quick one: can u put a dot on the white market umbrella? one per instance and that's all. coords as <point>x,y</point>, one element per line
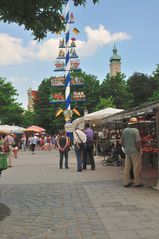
<point>7,129</point>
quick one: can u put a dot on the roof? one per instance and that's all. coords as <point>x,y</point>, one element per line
<point>115,56</point>
<point>97,116</point>
<point>34,94</point>
<point>146,108</point>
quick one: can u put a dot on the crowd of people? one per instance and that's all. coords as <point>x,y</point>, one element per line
<point>82,141</point>
<point>83,146</point>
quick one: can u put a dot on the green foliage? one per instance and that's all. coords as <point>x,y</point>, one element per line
<point>155,96</point>
<point>39,16</point>
<point>116,88</point>
<point>10,110</point>
<point>141,87</point>
<point>28,118</point>
<point>45,112</point>
<point>104,103</point>
<point>90,88</point>
<point>155,83</point>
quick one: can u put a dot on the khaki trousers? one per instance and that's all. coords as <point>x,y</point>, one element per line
<point>10,156</point>
<point>136,162</point>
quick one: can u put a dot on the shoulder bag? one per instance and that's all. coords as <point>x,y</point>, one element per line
<point>82,145</point>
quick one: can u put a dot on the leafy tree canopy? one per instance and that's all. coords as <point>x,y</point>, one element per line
<point>28,118</point>
<point>104,103</point>
<point>141,87</point>
<point>155,84</point>
<point>39,16</point>
<point>116,88</point>
<point>10,110</point>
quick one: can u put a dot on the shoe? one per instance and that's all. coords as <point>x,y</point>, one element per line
<point>79,170</point>
<point>128,185</point>
<point>67,167</point>
<point>93,168</point>
<point>138,186</point>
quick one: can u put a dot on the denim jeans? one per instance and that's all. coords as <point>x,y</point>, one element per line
<point>62,155</point>
<point>78,156</point>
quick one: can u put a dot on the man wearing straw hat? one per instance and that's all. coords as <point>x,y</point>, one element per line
<point>131,142</point>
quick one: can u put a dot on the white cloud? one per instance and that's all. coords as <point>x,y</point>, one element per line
<point>17,80</point>
<point>97,38</point>
<point>48,50</point>
<point>13,50</point>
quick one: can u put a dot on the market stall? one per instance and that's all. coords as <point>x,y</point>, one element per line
<point>148,118</point>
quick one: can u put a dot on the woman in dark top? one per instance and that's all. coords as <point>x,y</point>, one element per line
<point>63,146</point>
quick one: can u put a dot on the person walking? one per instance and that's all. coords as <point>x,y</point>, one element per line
<point>23,142</point>
<point>32,141</point>
<point>63,146</point>
<point>79,139</point>
<point>15,147</point>
<point>9,142</point>
<point>131,141</point>
<point>89,148</point>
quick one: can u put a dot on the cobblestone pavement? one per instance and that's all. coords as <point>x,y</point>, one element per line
<point>40,201</point>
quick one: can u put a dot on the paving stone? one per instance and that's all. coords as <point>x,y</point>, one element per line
<point>44,202</point>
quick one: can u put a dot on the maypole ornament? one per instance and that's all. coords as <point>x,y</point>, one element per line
<point>67,61</point>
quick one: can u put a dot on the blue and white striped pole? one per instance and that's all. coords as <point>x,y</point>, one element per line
<point>67,67</point>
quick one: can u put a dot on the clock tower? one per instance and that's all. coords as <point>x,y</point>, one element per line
<point>115,63</point>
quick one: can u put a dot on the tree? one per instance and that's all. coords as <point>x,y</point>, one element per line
<point>141,87</point>
<point>28,118</point>
<point>155,84</point>
<point>116,88</point>
<point>91,89</point>
<point>44,111</point>
<point>104,103</point>
<point>10,110</point>
<point>39,16</point>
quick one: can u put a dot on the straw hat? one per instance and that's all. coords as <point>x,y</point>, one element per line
<point>133,120</point>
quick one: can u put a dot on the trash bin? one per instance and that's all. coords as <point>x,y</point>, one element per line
<point>3,161</point>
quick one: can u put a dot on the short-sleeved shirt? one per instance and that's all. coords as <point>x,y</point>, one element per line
<point>89,134</point>
<point>130,137</point>
<point>79,136</point>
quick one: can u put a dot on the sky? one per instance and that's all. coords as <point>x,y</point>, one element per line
<point>131,25</point>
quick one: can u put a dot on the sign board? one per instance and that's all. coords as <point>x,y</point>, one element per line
<point>69,127</point>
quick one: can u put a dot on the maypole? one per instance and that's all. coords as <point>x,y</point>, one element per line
<point>67,67</point>
<point>67,61</point>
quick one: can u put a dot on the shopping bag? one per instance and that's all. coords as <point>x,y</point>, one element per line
<point>3,161</point>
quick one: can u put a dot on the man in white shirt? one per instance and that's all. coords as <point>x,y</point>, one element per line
<point>33,141</point>
<point>79,142</point>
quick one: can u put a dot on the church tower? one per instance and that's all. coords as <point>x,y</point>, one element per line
<point>115,63</point>
<point>31,99</point>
